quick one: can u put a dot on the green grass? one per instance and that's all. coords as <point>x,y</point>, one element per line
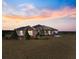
<point>52,48</point>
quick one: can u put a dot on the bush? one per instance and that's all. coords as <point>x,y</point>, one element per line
<point>27,36</point>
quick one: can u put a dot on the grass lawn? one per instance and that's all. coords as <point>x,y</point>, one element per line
<point>63,47</point>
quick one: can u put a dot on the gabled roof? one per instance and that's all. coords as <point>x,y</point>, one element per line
<point>24,28</point>
<point>43,27</point>
<point>36,27</point>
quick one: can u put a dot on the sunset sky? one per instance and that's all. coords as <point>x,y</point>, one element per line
<point>59,14</point>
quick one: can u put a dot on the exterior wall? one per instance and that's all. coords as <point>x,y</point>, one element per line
<point>56,32</point>
<point>49,32</point>
<point>30,32</point>
<point>45,33</point>
<point>20,32</point>
<point>34,33</point>
<point>52,32</point>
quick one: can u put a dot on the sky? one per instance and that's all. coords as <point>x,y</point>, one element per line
<point>59,14</point>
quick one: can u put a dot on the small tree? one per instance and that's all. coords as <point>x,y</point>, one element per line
<point>27,36</point>
<point>14,35</point>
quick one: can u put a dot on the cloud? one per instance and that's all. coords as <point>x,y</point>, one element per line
<point>28,6</point>
<point>63,24</point>
<point>27,10</point>
<point>44,14</point>
<point>25,14</point>
<point>20,10</point>
<point>8,9</point>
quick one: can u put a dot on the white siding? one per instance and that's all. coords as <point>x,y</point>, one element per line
<point>56,32</point>
<point>52,32</point>
<point>30,33</point>
<point>20,33</point>
<point>49,32</point>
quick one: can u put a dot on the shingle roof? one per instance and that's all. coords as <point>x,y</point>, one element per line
<point>36,27</point>
<point>43,27</point>
<point>24,28</point>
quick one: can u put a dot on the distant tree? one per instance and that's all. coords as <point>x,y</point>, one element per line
<point>3,34</point>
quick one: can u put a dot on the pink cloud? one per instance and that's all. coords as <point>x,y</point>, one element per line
<point>32,14</point>
<point>26,10</point>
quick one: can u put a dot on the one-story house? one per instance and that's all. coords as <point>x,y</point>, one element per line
<point>34,31</point>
